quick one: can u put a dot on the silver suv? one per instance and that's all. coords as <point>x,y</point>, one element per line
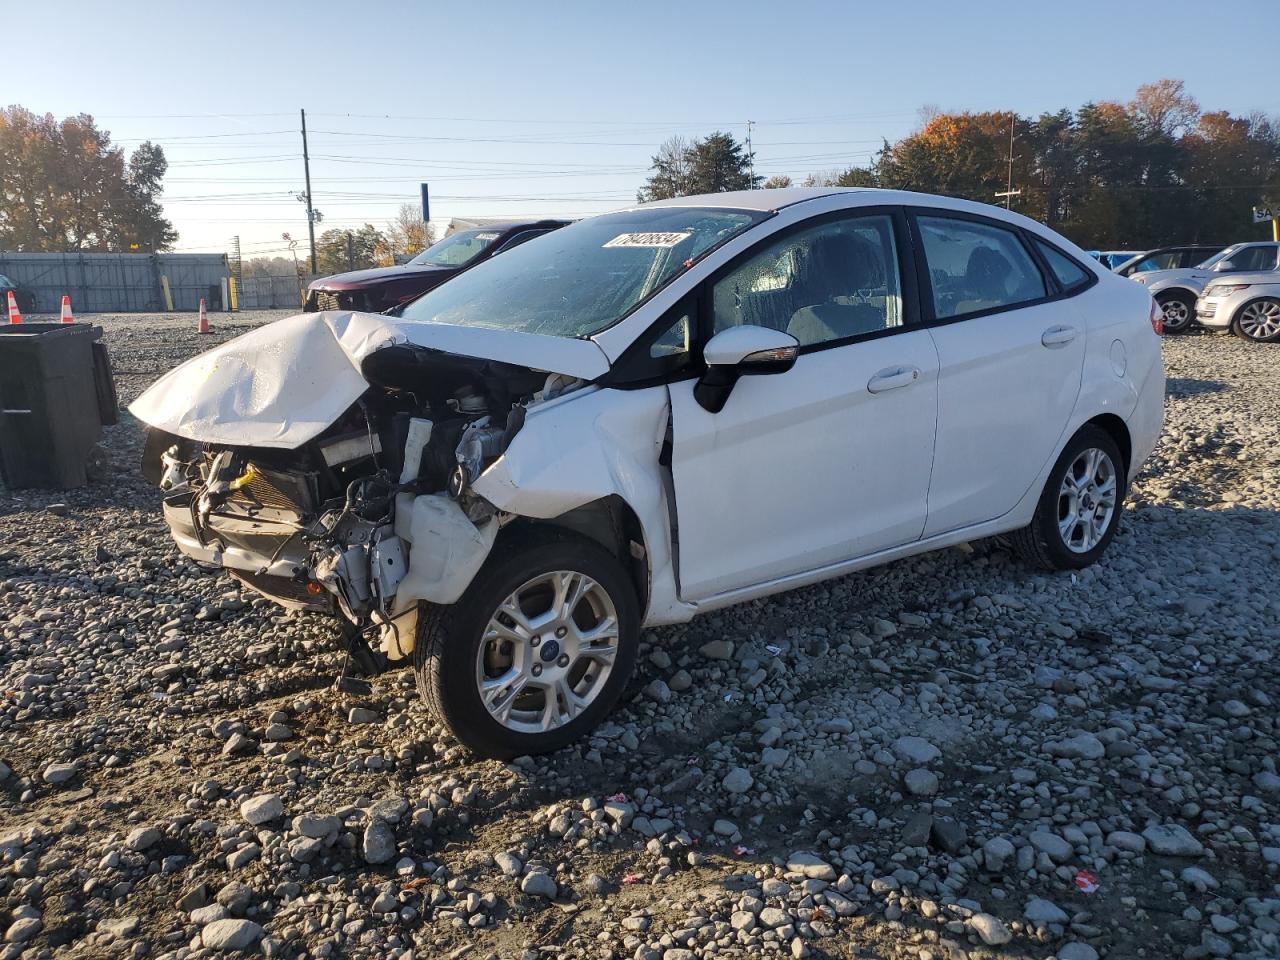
<point>1176,290</point>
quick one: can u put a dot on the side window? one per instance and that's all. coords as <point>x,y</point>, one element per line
<point>977,266</point>
<point>1158,261</point>
<point>826,282</point>
<point>1069,273</point>
<point>1254,258</point>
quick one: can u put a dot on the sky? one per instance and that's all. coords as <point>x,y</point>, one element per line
<point>556,108</point>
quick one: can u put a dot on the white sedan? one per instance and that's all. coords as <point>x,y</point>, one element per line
<point>651,414</point>
<point>1246,304</point>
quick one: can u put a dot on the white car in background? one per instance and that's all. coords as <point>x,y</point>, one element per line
<point>1246,304</point>
<point>1176,291</point>
<point>654,413</point>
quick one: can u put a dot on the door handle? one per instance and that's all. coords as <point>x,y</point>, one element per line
<point>893,378</point>
<point>1058,336</point>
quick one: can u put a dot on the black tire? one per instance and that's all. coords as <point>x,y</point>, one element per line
<point>448,641</point>
<point>1041,543</point>
<point>1179,309</point>
<point>1263,307</point>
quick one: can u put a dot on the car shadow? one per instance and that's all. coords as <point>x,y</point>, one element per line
<point>1191,386</point>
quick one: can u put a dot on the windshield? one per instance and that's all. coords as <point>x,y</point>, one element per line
<point>456,249</point>
<point>578,280</point>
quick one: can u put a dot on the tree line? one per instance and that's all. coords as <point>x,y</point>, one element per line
<point>1155,170</point>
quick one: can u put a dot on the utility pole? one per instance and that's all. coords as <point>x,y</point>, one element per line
<point>1009,193</point>
<point>751,160</point>
<point>311,215</point>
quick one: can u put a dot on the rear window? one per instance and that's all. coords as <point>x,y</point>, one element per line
<point>1069,273</point>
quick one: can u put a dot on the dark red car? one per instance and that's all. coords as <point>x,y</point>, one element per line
<point>385,287</point>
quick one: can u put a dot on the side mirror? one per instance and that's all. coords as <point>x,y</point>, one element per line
<point>1222,266</point>
<point>742,351</point>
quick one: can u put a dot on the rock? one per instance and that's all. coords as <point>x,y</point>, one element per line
<point>1172,840</point>
<point>262,809</point>
<point>836,725</point>
<point>916,749</point>
<point>1039,910</point>
<point>121,929</point>
<point>773,917</point>
<point>22,930</point>
<point>1076,951</point>
<point>379,844</point>
<point>658,690</point>
<point>737,780</point>
<point>57,773</point>
<point>680,681</point>
<point>358,716</point>
<point>202,916</point>
<point>724,828</point>
<point>539,885</point>
<point>315,826</point>
<point>1082,747</point>
<point>143,838</point>
<point>948,833</point>
<point>921,782</point>
<point>992,931</point>
<point>238,743</point>
<point>620,812</point>
<point>774,757</point>
<point>1124,840</point>
<point>997,854</point>
<point>598,885</point>
<point>811,865</point>
<point>1200,879</point>
<point>717,649</point>
<point>509,864</point>
<point>917,829</point>
<point>1059,850</point>
<point>235,896</point>
<point>230,934</point>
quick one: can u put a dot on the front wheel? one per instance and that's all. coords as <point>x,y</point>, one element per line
<point>536,651</point>
<point>1079,509</point>
<point>1179,310</point>
<point>1259,321</point>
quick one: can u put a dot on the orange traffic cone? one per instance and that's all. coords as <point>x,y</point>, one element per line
<point>204,318</point>
<point>66,310</point>
<point>14,315</point>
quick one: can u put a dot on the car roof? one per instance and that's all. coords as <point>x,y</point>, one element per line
<point>505,225</point>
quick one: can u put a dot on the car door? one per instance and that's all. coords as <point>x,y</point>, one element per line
<point>1010,351</point>
<point>830,460</point>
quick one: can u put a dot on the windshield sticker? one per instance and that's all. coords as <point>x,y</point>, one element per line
<point>486,236</point>
<point>648,239</point>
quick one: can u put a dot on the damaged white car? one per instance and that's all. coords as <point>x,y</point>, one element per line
<point>653,413</point>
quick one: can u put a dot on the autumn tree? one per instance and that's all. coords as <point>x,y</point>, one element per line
<point>64,187</point>
<point>777,182</point>
<point>366,245</point>
<point>407,234</point>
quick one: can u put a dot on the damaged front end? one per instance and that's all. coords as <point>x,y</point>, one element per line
<point>375,513</point>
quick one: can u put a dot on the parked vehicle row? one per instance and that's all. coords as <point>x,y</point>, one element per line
<point>654,413</point>
<point>1177,290</point>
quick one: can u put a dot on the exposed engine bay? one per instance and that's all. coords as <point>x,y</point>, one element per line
<point>330,526</point>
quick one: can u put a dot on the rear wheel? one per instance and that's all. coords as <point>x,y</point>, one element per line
<point>1080,507</point>
<point>1259,321</point>
<point>1179,310</point>
<point>536,651</point>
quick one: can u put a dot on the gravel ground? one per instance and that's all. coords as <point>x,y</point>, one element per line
<point>948,757</point>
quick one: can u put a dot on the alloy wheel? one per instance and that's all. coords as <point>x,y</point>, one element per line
<point>547,651</point>
<point>1260,320</point>
<point>1087,500</point>
<point>1176,313</point>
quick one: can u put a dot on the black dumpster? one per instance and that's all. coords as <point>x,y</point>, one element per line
<point>56,392</point>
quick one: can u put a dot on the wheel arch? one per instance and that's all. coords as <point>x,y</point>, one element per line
<point>609,521</point>
<point>1118,431</point>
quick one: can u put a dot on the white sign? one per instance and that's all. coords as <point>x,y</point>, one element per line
<point>647,239</point>
<point>1262,215</point>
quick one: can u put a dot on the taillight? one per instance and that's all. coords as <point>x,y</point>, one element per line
<point>1157,319</point>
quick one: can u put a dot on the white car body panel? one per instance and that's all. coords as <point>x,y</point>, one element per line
<point>978,426</point>
<point>804,468</point>
<point>284,383</point>
<point>802,476</point>
<point>1216,310</point>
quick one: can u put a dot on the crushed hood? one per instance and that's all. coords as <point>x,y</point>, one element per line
<point>284,383</point>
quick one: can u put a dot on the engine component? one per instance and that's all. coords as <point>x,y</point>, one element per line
<point>355,445</point>
<point>480,443</point>
<point>419,436</point>
<point>387,568</point>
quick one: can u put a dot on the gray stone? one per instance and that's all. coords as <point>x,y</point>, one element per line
<point>921,782</point>
<point>997,853</point>
<point>774,756</point>
<point>143,838</point>
<point>379,844</point>
<point>539,885</point>
<point>230,934</point>
<point>1059,850</point>
<point>1039,910</point>
<point>811,865</point>
<point>917,829</point>
<point>1076,951</point>
<point>315,826</point>
<point>509,864</point>
<point>992,931</point>
<point>1124,840</point>
<point>359,716</point>
<point>262,809</point>
<point>717,649</point>
<point>20,931</point>
<point>737,780</point>
<point>1172,840</point>
<point>774,917</point>
<point>57,773</point>
<point>1085,746</point>
<point>949,834</point>
<point>916,749</point>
